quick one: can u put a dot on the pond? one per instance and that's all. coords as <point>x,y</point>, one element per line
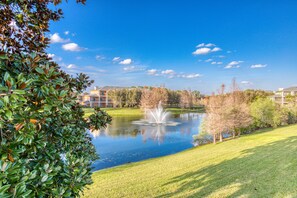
<point>123,142</point>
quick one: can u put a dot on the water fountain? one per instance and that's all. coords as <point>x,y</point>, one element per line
<point>157,116</point>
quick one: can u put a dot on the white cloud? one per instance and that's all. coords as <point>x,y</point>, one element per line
<point>152,72</point>
<point>216,49</point>
<point>55,38</point>
<point>127,61</point>
<point>116,59</point>
<point>202,51</point>
<point>66,32</point>
<point>73,47</point>
<point>168,72</point>
<point>200,45</point>
<point>246,82</point>
<point>210,45</point>
<point>133,68</point>
<point>258,66</point>
<point>205,45</point>
<point>216,63</point>
<point>221,56</point>
<point>55,57</point>
<point>99,57</point>
<point>71,66</point>
<point>189,76</point>
<point>208,60</point>
<point>233,64</point>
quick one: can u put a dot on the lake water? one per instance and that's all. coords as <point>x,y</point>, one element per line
<point>123,142</point>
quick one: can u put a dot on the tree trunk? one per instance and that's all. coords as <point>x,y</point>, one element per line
<point>214,139</point>
<point>221,137</point>
<point>233,134</point>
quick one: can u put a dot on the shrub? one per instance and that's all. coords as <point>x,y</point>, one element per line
<point>45,149</point>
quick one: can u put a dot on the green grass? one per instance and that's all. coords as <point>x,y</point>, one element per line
<point>117,111</point>
<point>263,164</point>
<point>137,111</point>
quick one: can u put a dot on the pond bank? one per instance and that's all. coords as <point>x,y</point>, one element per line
<point>262,164</point>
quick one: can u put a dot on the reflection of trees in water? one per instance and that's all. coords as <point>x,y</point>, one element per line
<point>190,116</point>
<point>155,133</point>
<point>121,126</point>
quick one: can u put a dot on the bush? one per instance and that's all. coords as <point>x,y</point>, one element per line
<point>263,111</point>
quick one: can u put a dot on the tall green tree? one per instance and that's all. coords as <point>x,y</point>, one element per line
<point>45,149</point>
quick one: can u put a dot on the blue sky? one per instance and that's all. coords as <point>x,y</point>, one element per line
<point>191,44</point>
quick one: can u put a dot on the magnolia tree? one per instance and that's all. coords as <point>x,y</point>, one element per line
<point>45,148</point>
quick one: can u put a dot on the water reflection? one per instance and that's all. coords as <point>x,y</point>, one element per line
<point>123,142</point>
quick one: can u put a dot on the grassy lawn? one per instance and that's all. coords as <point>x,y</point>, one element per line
<point>263,164</point>
<point>117,111</point>
<point>137,111</point>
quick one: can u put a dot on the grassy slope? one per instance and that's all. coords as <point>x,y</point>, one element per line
<point>258,165</point>
<point>117,111</point>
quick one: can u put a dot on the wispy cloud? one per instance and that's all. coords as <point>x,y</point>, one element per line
<point>54,57</point>
<point>216,49</point>
<point>71,66</point>
<point>73,47</point>
<point>216,63</point>
<point>233,64</point>
<point>152,72</point>
<point>116,59</point>
<point>205,45</point>
<point>189,76</point>
<point>127,61</point>
<point>256,66</point>
<point>208,60</point>
<point>133,68</point>
<point>66,32</point>
<point>99,57</point>
<point>245,82</point>
<point>55,38</point>
<point>169,73</point>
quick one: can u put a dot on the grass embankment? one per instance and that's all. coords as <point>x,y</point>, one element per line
<point>116,111</point>
<point>139,112</point>
<point>263,164</point>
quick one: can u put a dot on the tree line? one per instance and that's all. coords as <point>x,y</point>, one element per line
<point>236,112</point>
<point>149,97</point>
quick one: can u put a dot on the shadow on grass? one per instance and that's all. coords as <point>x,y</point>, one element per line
<point>264,171</point>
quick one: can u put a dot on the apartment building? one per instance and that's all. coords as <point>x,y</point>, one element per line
<point>281,94</point>
<point>98,97</point>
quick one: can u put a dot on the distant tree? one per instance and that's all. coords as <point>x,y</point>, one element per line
<point>45,149</point>
<point>263,111</point>
<point>173,98</point>
<point>118,97</point>
<point>133,97</point>
<point>186,99</point>
<point>215,115</point>
<point>252,95</point>
<point>152,96</point>
<point>237,112</point>
<point>227,112</point>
